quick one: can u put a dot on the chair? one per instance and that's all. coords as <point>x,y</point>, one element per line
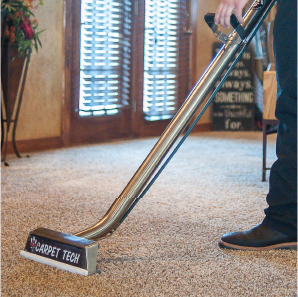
<point>269,119</point>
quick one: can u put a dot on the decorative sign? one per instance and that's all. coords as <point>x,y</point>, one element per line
<point>233,105</point>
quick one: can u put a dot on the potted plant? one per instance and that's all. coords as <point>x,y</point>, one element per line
<point>19,36</point>
<point>19,25</point>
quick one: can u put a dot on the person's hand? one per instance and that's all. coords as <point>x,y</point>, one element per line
<point>226,9</point>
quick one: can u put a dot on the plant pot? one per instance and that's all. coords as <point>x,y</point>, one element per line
<point>13,77</point>
<point>11,73</point>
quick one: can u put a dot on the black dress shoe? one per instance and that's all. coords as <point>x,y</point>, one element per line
<point>259,238</point>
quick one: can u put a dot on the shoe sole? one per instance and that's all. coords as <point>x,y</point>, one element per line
<point>288,245</point>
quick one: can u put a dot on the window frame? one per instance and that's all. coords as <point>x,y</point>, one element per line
<point>131,122</point>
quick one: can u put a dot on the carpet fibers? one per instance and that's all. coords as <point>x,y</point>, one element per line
<point>168,244</point>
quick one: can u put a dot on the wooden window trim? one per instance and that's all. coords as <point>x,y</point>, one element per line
<point>138,36</point>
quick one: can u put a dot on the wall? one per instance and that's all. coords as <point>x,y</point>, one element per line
<point>41,112</point>
<point>40,115</point>
<point>202,47</point>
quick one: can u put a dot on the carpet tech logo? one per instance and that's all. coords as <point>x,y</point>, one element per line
<point>33,244</point>
<point>54,250</point>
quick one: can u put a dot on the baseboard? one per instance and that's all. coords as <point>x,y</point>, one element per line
<point>57,142</point>
<point>202,127</point>
<point>34,145</point>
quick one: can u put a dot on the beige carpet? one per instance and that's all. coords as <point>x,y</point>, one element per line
<point>168,244</point>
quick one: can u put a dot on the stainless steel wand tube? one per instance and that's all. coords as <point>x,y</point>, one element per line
<point>193,102</point>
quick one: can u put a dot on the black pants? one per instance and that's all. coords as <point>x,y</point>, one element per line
<point>281,215</point>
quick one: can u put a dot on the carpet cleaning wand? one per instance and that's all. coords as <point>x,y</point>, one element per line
<point>77,253</point>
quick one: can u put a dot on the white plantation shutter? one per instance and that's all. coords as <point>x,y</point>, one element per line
<point>104,56</point>
<point>164,22</point>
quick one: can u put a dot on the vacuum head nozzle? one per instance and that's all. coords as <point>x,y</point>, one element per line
<point>64,251</point>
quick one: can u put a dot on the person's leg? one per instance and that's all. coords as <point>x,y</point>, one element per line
<point>279,228</point>
<point>281,215</point>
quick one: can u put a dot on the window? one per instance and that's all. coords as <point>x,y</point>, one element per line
<point>163,23</point>
<point>104,56</point>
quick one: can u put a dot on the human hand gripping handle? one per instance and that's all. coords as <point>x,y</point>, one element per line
<point>210,20</point>
<point>225,10</point>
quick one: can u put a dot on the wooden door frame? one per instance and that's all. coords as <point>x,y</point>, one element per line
<point>67,78</point>
<point>136,114</point>
<point>141,126</point>
<point>138,121</point>
<point>89,129</point>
